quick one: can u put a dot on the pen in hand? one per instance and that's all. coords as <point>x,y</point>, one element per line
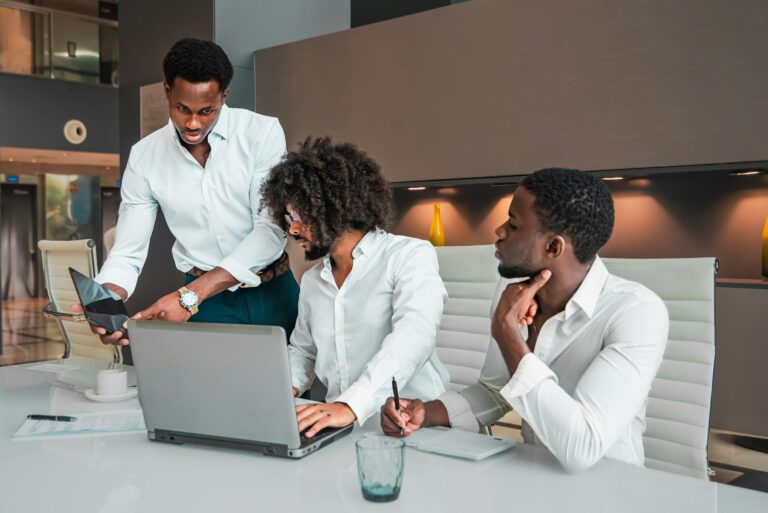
<point>397,401</point>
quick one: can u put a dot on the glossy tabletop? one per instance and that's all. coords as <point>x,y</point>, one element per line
<point>128,473</point>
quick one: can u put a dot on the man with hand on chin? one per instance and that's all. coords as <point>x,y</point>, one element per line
<point>204,170</point>
<point>574,348</point>
<point>370,309</point>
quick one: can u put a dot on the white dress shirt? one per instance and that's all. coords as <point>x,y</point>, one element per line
<point>212,211</point>
<point>582,392</point>
<point>380,324</point>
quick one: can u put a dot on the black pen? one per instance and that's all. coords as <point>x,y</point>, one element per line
<point>57,418</point>
<point>397,399</point>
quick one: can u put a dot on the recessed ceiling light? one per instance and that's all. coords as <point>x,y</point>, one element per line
<point>416,188</point>
<point>10,159</point>
<point>746,173</point>
<point>613,178</point>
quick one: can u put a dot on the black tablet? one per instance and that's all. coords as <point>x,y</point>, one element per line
<point>102,306</point>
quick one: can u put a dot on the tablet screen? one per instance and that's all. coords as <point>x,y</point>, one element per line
<point>102,306</point>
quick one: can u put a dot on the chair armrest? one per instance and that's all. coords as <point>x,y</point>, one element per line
<point>49,313</point>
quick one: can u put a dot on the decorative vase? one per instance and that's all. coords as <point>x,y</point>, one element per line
<point>436,231</point>
<point>765,248</point>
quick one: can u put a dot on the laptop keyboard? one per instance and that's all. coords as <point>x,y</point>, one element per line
<point>323,433</point>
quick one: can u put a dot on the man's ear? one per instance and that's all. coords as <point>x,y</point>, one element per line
<point>224,95</point>
<point>167,89</point>
<point>556,246</point>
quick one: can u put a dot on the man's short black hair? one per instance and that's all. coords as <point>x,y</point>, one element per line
<point>333,187</point>
<point>575,204</point>
<point>197,61</point>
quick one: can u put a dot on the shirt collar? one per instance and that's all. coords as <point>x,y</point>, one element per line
<point>368,243</point>
<point>221,128</point>
<point>366,247</point>
<point>587,294</point>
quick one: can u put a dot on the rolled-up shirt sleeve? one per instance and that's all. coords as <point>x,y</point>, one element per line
<point>417,307</point>
<point>135,222</point>
<point>579,428</point>
<point>266,241</point>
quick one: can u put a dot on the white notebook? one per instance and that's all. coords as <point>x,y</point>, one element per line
<point>457,443</point>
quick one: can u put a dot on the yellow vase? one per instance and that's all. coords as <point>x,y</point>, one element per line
<point>436,231</point>
<point>765,248</point>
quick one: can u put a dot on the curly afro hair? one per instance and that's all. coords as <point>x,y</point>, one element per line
<point>333,187</point>
<point>575,204</point>
<point>197,61</point>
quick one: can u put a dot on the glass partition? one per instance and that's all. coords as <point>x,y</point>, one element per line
<point>56,44</point>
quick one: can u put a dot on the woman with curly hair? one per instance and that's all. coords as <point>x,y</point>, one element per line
<point>370,309</point>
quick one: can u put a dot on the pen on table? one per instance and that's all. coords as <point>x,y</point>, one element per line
<point>58,418</point>
<point>397,400</point>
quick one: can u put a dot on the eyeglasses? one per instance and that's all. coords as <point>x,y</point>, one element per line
<point>291,218</point>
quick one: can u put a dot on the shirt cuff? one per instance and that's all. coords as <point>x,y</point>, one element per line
<point>530,372</point>
<point>459,411</point>
<point>240,272</point>
<point>359,401</point>
<point>122,277</point>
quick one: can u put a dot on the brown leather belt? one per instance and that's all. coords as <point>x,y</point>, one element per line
<point>277,268</point>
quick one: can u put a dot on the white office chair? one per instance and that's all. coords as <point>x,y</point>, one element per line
<point>57,258</point>
<point>470,277</point>
<point>677,415</point>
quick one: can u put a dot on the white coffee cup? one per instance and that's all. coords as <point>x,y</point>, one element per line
<point>111,382</point>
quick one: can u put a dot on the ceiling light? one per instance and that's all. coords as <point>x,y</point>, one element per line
<point>746,173</point>
<point>416,188</point>
<point>613,178</point>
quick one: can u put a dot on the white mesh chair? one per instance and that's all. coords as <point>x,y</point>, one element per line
<point>57,258</point>
<point>470,276</point>
<point>678,409</point>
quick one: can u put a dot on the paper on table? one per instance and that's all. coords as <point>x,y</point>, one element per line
<point>103,423</point>
<point>457,443</point>
<point>52,367</point>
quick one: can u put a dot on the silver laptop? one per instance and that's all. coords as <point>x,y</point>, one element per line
<point>227,385</point>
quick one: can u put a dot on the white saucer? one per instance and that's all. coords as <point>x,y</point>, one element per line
<point>128,394</point>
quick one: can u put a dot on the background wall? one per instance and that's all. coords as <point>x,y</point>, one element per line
<point>499,87</point>
<point>677,215</point>
<point>244,26</point>
<point>34,111</point>
<point>365,12</point>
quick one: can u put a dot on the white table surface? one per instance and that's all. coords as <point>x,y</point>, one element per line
<point>128,473</point>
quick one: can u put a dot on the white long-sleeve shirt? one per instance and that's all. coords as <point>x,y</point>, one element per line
<point>382,323</point>
<point>582,392</point>
<point>212,211</point>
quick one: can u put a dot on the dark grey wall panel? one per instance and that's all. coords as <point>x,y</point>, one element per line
<point>500,87</point>
<point>739,402</point>
<point>34,111</point>
<point>365,12</point>
<point>147,31</point>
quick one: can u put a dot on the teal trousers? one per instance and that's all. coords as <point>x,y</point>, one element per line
<point>274,303</point>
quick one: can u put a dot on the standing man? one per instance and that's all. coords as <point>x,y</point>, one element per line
<point>204,170</point>
<point>574,349</point>
<point>370,309</point>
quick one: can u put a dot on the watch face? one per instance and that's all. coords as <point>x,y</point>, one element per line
<point>189,298</point>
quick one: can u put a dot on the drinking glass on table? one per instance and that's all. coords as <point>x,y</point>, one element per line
<point>380,461</point>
